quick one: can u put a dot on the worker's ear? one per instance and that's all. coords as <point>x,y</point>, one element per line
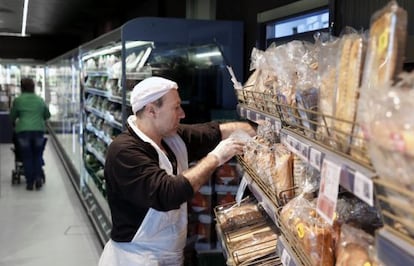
<point>150,109</point>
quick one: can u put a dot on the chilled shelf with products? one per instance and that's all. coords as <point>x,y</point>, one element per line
<point>63,98</point>
<point>11,72</point>
<point>353,176</point>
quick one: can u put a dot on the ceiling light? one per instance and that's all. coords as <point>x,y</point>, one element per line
<point>25,7</point>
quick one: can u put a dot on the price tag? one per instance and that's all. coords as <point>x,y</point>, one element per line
<point>299,148</point>
<point>248,114</point>
<point>278,125</point>
<point>290,142</point>
<point>364,188</point>
<point>269,121</point>
<point>241,189</point>
<point>315,159</point>
<point>328,190</point>
<point>285,258</point>
<point>258,117</point>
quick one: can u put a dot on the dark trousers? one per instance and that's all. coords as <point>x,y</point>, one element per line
<point>30,145</point>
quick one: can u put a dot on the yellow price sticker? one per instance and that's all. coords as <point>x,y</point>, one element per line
<point>301,230</point>
<point>383,42</point>
<point>367,263</point>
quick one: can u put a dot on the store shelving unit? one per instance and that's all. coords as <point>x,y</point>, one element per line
<point>357,177</point>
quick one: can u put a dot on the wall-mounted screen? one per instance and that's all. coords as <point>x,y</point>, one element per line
<point>311,21</point>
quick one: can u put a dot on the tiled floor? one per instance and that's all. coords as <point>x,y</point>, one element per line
<point>45,227</point>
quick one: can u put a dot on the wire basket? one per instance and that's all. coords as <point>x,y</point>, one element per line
<point>254,253</point>
<point>302,116</point>
<point>260,101</point>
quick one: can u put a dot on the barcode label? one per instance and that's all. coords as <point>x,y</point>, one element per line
<point>285,258</point>
<point>364,188</point>
<point>248,114</point>
<point>315,159</point>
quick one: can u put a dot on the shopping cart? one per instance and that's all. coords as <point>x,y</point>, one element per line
<point>18,170</point>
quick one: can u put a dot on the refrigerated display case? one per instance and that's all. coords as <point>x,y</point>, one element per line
<point>63,98</point>
<point>11,71</point>
<point>194,53</point>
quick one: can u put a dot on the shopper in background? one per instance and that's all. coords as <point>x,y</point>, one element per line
<point>147,176</point>
<point>29,113</point>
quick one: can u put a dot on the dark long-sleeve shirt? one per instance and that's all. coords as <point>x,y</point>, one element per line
<point>135,182</point>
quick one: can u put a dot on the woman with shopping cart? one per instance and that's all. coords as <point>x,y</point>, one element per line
<point>29,113</point>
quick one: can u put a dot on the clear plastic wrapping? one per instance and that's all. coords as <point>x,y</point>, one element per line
<point>355,247</point>
<point>346,93</point>
<point>316,237</point>
<point>238,215</point>
<point>384,61</point>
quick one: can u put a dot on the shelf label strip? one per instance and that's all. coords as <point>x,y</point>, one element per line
<point>297,147</point>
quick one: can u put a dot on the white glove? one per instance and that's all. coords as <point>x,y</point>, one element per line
<point>226,149</point>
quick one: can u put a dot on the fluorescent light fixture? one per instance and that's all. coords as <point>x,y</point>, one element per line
<point>25,7</point>
<point>208,54</point>
<point>12,34</point>
<point>116,48</point>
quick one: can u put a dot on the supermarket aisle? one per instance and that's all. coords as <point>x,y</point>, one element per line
<point>45,227</point>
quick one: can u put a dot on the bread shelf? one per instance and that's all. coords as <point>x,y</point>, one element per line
<point>254,253</point>
<point>353,173</point>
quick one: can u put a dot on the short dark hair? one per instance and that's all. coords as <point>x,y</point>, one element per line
<point>27,85</point>
<point>157,103</point>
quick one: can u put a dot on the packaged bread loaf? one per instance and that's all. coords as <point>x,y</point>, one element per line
<point>346,94</point>
<point>355,248</point>
<point>327,65</point>
<point>384,61</point>
<point>316,237</point>
<point>238,215</point>
<point>259,242</point>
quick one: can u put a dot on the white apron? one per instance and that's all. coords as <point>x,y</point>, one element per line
<point>161,238</point>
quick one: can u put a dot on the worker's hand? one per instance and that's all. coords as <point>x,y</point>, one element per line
<point>227,148</point>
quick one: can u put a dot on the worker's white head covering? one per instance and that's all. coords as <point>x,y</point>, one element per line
<point>150,90</point>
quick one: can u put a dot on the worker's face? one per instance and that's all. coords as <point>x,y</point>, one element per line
<point>169,114</point>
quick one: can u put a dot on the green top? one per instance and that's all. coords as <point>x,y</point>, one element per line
<point>30,111</point>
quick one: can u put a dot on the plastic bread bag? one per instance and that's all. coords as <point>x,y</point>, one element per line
<point>355,248</point>
<point>265,164</point>
<point>250,153</point>
<point>267,133</point>
<point>305,178</point>
<point>391,131</point>
<point>285,68</point>
<point>384,56</point>
<point>349,70</point>
<point>233,216</point>
<point>281,178</point>
<point>328,47</point>
<point>391,144</point>
<point>316,237</point>
<point>256,59</point>
<point>254,244</point>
